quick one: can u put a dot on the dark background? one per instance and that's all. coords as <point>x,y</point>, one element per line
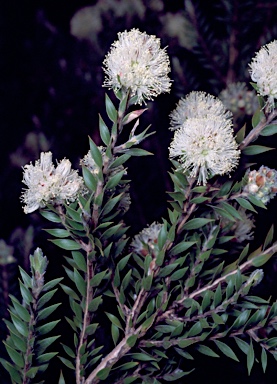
<point>51,94</point>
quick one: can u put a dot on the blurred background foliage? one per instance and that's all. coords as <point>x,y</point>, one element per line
<point>51,93</point>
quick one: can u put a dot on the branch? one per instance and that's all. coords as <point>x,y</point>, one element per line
<point>255,132</point>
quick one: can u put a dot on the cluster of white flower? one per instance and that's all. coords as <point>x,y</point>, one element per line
<point>138,64</point>
<point>198,105</point>
<point>263,72</point>
<point>47,184</point>
<point>203,142</point>
<point>146,241</point>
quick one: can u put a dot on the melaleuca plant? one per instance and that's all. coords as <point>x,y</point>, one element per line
<point>142,307</point>
<point>28,328</point>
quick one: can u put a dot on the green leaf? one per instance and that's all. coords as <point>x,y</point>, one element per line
<point>104,131</point>
<point>206,300</point>
<point>110,109</point>
<point>96,280</point>
<point>241,320</point>
<point>68,351</point>
<point>167,270</point>
<point>67,363</point>
<point>123,262</point>
<point>47,311</point>
<point>196,223</point>
<point>256,149</point>
<point>131,341</point>
<point>51,284</point>
<point>114,320</point>
<point>58,232</point>
<point>119,161</point>
<point>147,282</point>
<point>245,204</point>
<point>70,292</point>
<point>76,216</point>
<point>111,231</point>
<point>80,283</point>
<point>226,350</point>
<point>217,318</point>
<point>43,329</point>
<point>25,293</point>
<point>61,379</point>
<point>260,260</point>
<point>115,179</point>
<point>45,343</point>
<point>46,357</point>
<point>242,345</point>
<point>45,298</point>
<point>79,260</point>
<point>27,280</point>
<point>250,358</point>
<point>256,299</point>
<point>51,216</point>
<point>177,275</point>
<point>138,152</point>
<point>15,356</point>
<point>181,247</point>
<point>111,204</point>
<point>89,179</point>
<point>269,237</point>
<point>257,117</point>
<point>199,200</point>
<point>195,330</point>
<point>15,376</point>
<point>95,153</point>
<point>142,356</point>
<point>20,326</point>
<point>69,245</point>
<point>21,311</point>
<point>90,329</point>
<point>241,134</point>
<point>127,366</point>
<point>184,354</point>
<point>115,333</point>
<point>94,304</point>
<point>217,296</point>
<point>231,210</point>
<point>264,359</point>
<point>206,350</point>
<point>103,373</point>
<point>256,201</point>
<point>269,130</point>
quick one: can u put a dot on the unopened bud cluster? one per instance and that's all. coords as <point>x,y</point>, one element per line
<point>146,242</point>
<point>262,184</point>
<point>238,99</point>
<point>38,268</point>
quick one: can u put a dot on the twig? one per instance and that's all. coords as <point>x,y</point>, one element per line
<point>255,132</point>
<point>86,321</point>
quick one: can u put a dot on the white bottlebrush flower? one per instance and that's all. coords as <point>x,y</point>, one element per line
<point>146,241</point>
<point>138,64</point>
<point>198,105</point>
<point>47,184</point>
<point>263,71</point>
<point>206,147</point>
